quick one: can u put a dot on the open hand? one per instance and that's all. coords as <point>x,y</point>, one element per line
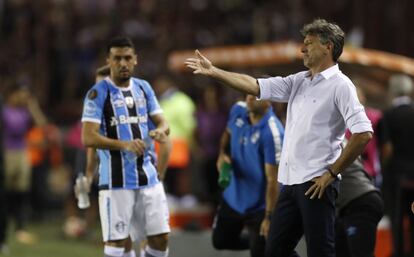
<point>200,64</point>
<point>319,186</point>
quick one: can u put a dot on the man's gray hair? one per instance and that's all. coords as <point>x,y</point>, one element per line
<point>400,85</point>
<point>326,32</point>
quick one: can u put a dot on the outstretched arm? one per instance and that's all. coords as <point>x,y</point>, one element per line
<point>244,83</point>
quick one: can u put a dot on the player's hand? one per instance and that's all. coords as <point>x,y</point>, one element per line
<point>319,186</point>
<point>264,227</point>
<point>158,135</point>
<point>200,64</point>
<point>85,183</point>
<point>137,146</point>
<point>412,207</point>
<point>222,158</point>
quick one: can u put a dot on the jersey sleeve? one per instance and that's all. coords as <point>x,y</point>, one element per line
<point>152,102</point>
<point>235,112</point>
<point>93,105</point>
<point>272,142</point>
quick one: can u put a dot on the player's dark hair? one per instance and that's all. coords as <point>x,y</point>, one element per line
<point>119,42</point>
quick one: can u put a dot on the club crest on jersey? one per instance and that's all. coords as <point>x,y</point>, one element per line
<point>129,101</point>
<point>255,137</point>
<point>118,103</point>
<point>239,122</point>
<point>120,226</point>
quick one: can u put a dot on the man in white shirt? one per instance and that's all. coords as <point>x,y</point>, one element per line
<point>322,103</point>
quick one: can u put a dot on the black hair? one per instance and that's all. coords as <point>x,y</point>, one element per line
<point>119,42</point>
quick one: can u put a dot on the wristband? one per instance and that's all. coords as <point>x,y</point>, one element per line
<point>333,175</point>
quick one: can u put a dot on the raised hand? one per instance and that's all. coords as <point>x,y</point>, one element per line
<point>200,64</point>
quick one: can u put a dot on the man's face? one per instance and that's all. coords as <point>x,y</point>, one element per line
<point>256,106</point>
<point>314,52</point>
<point>121,61</point>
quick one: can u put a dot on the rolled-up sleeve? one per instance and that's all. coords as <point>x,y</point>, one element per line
<point>352,110</point>
<point>275,88</point>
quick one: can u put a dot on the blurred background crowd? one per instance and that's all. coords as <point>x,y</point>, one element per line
<point>50,49</point>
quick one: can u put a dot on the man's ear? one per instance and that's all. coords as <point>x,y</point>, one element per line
<point>136,60</point>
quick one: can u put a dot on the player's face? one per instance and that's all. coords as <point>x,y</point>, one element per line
<point>121,61</point>
<point>255,106</point>
<point>314,52</point>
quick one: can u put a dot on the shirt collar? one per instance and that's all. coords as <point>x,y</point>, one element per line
<point>328,73</point>
<point>109,80</point>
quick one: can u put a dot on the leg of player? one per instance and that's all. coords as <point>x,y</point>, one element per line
<point>157,246</point>
<point>129,251</point>
<point>115,248</point>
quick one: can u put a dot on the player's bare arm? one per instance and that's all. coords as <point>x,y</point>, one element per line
<point>224,144</point>
<point>272,194</point>
<point>162,131</point>
<point>244,83</point>
<point>92,138</point>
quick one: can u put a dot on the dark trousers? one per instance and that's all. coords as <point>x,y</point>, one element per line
<point>297,214</point>
<point>228,227</point>
<point>356,226</point>
<point>402,208</point>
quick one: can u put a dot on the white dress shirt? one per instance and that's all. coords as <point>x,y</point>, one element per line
<point>318,112</point>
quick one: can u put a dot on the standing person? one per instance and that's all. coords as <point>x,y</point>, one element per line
<point>179,110</point>
<point>254,138</point>
<point>115,122</point>
<point>360,208</point>
<point>322,103</point>
<point>398,141</point>
<point>20,112</point>
<point>3,204</point>
<point>211,122</point>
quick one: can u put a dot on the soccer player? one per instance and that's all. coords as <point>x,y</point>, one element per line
<point>115,122</point>
<point>254,136</point>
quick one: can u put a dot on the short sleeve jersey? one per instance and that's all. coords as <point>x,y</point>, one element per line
<point>123,114</point>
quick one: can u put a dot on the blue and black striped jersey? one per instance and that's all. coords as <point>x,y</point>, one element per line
<point>123,114</point>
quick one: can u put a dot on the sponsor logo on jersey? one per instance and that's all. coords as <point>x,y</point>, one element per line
<point>118,103</point>
<point>255,137</point>
<point>90,108</point>
<point>123,119</point>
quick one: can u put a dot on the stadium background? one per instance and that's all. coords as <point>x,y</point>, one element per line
<point>53,47</point>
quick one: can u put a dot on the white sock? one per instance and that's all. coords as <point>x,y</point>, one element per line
<point>130,254</point>
<point>112,251</point>
<point>142,253</point>
<point>149,252</point>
